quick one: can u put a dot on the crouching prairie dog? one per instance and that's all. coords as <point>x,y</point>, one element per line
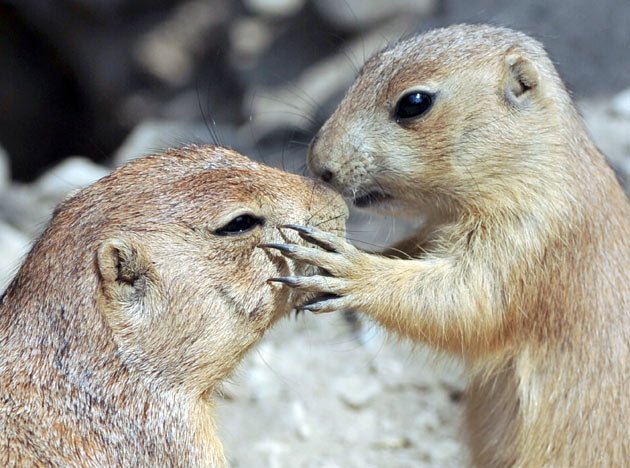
<point>143,293</point>
<point>524,267</point>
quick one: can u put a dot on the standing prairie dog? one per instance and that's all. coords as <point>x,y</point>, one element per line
<point>524,268</point>
<point>143,293</point>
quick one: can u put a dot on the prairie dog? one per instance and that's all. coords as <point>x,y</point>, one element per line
<point>524,268</point>
<point>143,293</point>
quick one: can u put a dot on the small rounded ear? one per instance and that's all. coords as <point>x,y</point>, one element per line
<point>125,269</point>
<point>522,76</point>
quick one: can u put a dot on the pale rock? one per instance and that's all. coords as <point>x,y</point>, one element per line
<point>168,51</point>
<point>23,208</point>
<point>262,384</point>
<point>611,134</point>
<point>300,418</point>
<point>357,392</point>
<point>620,104</point>
<point>249,38</point>
<point>154,136</point>
<point>275,8</point>
<point>262,379</point>
<point>29,207</point>
<point>273,450</point>
<point>14,246</point>
<point>72,174</point>
<point>428,420</point>
<point>445,450</point>
<point>359,14</point>
<point>149,137</point>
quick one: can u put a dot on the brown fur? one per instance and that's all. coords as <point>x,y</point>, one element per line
<point>524,269</point>
<point>129,310</point>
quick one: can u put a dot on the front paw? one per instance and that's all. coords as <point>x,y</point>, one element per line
<point>338,258</point>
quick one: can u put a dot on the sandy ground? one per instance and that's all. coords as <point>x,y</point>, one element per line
<point>318,394</point>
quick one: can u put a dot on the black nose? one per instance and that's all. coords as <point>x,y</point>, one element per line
<point>326,175</point>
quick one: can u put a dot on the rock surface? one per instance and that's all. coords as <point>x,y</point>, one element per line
<point>610,130</point>
<point>13,246</point>
<point>332,402</point>
<point>621,104</point>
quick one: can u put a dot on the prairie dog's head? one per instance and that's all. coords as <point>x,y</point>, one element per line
<point>444,120</point>
<point>166,250</point>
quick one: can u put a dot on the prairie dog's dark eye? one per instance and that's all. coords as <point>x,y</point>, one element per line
<point>240,225</point>
<point>413,104</point>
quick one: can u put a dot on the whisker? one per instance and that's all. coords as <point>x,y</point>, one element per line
<point>213,136</point>
<point>285,112</point>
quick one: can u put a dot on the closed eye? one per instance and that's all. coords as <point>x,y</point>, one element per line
<point>240,225</point>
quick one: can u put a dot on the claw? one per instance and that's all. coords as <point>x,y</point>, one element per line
<point>288,248</point>
<point>290,281</point>
<point>313,305</point>
<point>308,234</point>
<point>297,227</point>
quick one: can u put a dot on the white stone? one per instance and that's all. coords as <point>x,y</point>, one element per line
<point>13,247</point>
<point>301,420</point>
<point>428,420</point>
<point>276,8</point>
<point>444,451</point>
<point>611,134</point>
<point>620,104</point>
<point>70,175</point>
<point>273,451</point>
<point>169,49</point>
<point>155,135</point>
<point>29,206</point>
<point>249,37</point>
<point>357,392</point>
<point>149,137</point>
<point>359,14</point>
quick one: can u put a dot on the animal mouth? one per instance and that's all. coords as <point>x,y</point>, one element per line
<point>370,198</point>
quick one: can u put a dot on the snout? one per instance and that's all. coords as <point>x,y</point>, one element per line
<point>339,160</point>
<point>315,163</point>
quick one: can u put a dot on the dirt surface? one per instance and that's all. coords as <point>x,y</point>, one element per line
<point>316,393</point>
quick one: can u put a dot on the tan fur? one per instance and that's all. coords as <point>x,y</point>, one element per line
<point>129,310</point>
<point>525,267</point>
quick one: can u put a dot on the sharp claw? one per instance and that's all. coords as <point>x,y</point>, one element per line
<point>313,305</point>
<point>281,247</point>
<point>309,307</point>
<point>298,228</point>
<point>308,234</point>
<point>290,281</point>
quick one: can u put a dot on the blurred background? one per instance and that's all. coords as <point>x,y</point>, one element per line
<point>87,84</point>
